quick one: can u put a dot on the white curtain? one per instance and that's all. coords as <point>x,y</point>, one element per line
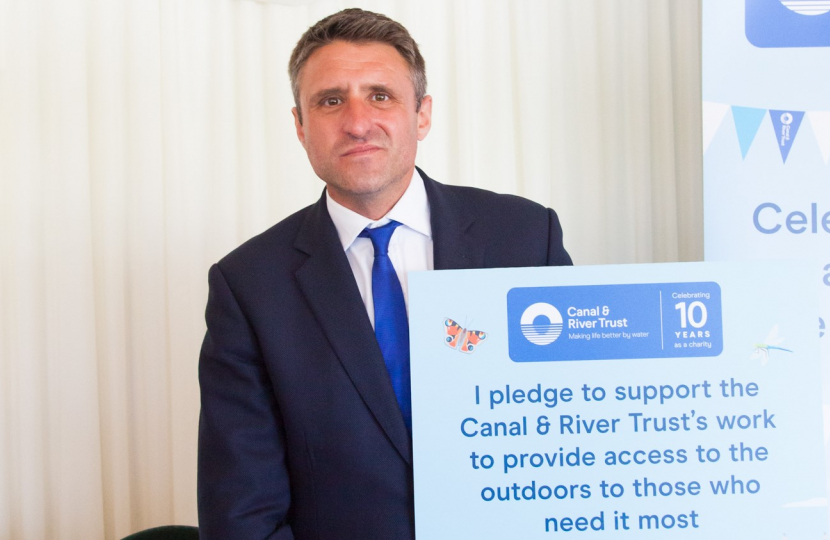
<point>140,141</point>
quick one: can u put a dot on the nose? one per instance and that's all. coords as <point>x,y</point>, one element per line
<point>357,118</point>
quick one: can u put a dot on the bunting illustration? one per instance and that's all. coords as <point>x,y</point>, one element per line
<point>785,126</point>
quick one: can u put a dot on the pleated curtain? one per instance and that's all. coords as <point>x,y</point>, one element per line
<point>140,141</point>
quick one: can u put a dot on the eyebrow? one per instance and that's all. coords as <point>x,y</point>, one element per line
<point>336,90</point>
<point>380,88</point>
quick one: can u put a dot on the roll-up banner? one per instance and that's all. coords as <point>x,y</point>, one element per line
<point>766,144</point>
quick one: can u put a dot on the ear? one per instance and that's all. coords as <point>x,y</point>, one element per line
<point>298,125</point>
<point>424,117</point>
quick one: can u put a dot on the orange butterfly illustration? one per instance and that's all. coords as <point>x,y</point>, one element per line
<point>460,338</point>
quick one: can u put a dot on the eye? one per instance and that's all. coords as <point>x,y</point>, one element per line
<point>332,101</point>
<point>380,97</point>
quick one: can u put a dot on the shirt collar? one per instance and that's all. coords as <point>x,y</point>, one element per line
<point>411,210</point>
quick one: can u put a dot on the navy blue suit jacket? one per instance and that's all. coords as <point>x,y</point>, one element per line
<point>300,434</point>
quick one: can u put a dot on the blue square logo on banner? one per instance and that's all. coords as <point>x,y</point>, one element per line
<point>788,23</point>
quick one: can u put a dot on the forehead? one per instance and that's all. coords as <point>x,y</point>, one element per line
<point>343,64</point>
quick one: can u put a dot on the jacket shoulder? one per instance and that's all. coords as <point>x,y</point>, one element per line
<point>497,207</point>
<point>515,231</point>
<point>274,244</point>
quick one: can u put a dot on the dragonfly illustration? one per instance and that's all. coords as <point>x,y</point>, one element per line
<point>762,350</point>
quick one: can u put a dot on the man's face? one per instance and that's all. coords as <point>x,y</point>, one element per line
<point>360,126</point>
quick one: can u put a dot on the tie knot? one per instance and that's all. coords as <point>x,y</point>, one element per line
<point>380,236</point>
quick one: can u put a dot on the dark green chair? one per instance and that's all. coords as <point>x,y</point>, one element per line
<point>168,532</point>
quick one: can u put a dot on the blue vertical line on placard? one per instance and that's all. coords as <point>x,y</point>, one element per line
<point>662,333</point>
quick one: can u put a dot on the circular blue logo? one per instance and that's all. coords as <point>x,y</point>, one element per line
<point>541,323</point>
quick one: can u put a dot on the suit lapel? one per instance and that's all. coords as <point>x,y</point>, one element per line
<point>328,284</point>
<point>454,245</point>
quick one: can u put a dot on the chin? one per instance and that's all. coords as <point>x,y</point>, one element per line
<point>364,181</point>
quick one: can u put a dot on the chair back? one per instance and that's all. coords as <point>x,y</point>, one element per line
<point>168,532</point>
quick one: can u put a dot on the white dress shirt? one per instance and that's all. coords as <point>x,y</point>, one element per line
<point>410,248</point>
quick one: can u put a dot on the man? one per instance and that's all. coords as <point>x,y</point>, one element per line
<point>304,430</point>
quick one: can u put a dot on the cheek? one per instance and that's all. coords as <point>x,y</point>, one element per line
<point>405,129</point>
<point>317,139</point>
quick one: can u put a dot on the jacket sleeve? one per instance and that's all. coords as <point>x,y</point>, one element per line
<point>243,486</point>
<point>557,256</point>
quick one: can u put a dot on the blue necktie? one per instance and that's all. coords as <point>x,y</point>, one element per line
<point>391,324</point>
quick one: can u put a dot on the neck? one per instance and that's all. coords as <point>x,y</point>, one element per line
<point>372,205</point>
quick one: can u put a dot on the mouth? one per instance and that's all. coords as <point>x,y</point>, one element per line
<point>362,150</point>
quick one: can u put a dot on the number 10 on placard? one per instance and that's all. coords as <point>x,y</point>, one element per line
<point>694,314</point>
